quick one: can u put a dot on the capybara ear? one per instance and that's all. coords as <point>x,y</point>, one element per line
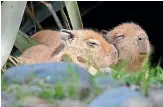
<point>112,36</point>
<point>104,33</point>
<point>66,34</point>
<point>108,36</point>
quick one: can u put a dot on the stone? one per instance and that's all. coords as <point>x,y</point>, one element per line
<point>49,72</point>
<point>49,75</point>
<point>115,97</point>
<point>32,101</point>
<point>7,100</point>
<point>16,88</point>
<point>138,102</point>
<point>107,82</point>
<point>156,95</point>
<point>71,103</point>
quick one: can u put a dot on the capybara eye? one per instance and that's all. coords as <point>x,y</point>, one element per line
<point>139,38</point>
<point>91,44</point>
<point>104,32</point>
<point>118,38</point>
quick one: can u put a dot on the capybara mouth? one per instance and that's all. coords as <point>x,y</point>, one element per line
<point>142,53</point>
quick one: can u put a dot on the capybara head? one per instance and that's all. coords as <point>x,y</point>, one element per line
<point>132,43</point>
<point>82,46</point>
<point>88,46</point>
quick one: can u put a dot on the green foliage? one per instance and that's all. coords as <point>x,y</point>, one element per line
<point>144,78</point>
<point>23,41</point>
<point>147,77</point>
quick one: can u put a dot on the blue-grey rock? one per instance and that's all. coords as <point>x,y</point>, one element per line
<point>71,103</point>
<point>32,101</point>
<point>49,72</point>
<point>38,102</point>
<point>26,89</point>
<point>115,97</point>
<point>48,75</point>
<point>107,82</point>
<point>138,102</point>
<point>156,95</point>
<point>7,100</point>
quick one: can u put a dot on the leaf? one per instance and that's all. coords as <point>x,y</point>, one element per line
<point>74,14</point>
<point>23,41</point>
<point>50,7</point>
<point>12,13</point>
<point>65,20</point>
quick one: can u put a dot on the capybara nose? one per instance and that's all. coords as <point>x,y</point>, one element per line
<point>142,43</point>
<point>142,37</point>
<point>143,47</point>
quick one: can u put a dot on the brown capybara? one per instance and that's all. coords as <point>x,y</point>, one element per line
<point>132,44</point>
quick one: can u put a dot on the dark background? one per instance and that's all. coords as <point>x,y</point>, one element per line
<point>147,14</point>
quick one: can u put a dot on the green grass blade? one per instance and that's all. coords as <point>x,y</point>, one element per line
<point>74,14</point>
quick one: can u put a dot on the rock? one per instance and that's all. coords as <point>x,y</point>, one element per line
<point>71,103</point>
<point>16,89</point>
<point>138,102</point>
<point>49,74</point>
<point>32,101</point>
<point>7,100</point>
<point>42,105</point>
<point>115,97</point>
<point>107,82</point>
<point>135,87</point>
<point>156,95</point>
<point>37,102</point>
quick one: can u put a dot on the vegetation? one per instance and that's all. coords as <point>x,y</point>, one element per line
<point>145,79</point>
